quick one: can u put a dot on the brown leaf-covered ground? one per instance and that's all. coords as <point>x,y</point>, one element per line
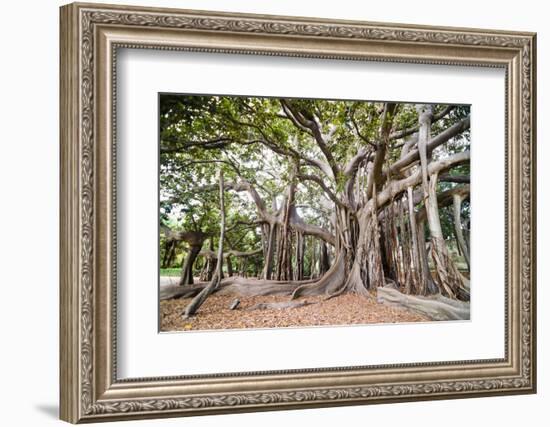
<point>346,309</point>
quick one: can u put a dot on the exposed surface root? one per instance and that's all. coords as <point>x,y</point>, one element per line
<point>180,291</point>
<point>330,283</point>
<point>355,283</point>
<point>436,307</point>
<point>240,286</point>
<point>279,305</point>
<point>236,285</point>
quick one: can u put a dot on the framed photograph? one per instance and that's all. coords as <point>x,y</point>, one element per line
<point>266,212</point>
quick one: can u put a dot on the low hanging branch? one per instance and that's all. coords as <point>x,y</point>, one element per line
<point>237,254</point>
<point>218,275</point>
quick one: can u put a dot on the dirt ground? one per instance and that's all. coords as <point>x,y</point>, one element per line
<point>346,309</point>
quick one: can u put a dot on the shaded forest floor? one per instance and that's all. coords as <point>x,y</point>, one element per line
<point>347,309</point>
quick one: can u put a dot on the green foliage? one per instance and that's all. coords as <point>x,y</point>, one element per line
<point>254,139</point>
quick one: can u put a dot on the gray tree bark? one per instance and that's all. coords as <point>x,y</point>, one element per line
<point>218,275</point>
<point>457,207</point>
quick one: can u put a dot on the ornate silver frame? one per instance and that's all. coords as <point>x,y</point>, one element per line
<point>90,36</point>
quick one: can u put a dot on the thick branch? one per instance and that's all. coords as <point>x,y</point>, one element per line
<point>244,185</point>
<point>299,120</point>
<point>459,179</point>
<point>409,131</point>
<point>446,199</point>
<point>352,166</point>
<point>435,142</point>
<point>290,116</point>
<point>238,254</point>
<point>193,238</point>
<point>394,188</point>
<point>311,230</point>
<point>425,123</point>
<point>296,221</point>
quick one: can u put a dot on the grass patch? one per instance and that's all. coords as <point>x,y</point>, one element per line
<point>172,272</point>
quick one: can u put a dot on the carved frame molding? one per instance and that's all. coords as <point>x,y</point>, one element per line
<point>90,37</point>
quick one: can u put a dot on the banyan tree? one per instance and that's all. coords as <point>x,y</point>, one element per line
<point>315,197</point>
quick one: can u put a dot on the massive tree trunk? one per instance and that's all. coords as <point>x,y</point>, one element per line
<point>328,284</point>
<point>195,240</point>
<point>358,262</point>
<point>186,277</point>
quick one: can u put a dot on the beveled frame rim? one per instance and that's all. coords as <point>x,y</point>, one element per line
<point>90,36</point>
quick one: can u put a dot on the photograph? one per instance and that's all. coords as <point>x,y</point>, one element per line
<point>290,212</point>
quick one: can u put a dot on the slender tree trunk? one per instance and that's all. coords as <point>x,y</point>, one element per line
<point>244,267</point>
<point>265,236</point>
<point>427,284</point>
<point>406,246</point>
<point>467,236</point>
<point>457,206</point>
<point>214,283</point>
<point>168,248</point>
<point>324,262</point>
<point>374,258</point>
<point>256,269</point>
<point>267,271</point>
<point>284,264</point>
<point>387,243</point>
<point>415,264</point>
<point>204,268</point>
<point>172,254</point>
<point>401,243</point>
<point>448,276</point>
<point>229,266</point>
<point>315,256</point>
<point>210,266</point>
<point>299,272</point>
<point>425,122</point>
